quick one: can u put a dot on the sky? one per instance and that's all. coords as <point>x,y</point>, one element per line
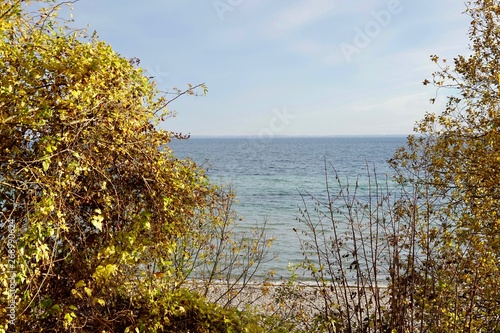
<point>287,68</point>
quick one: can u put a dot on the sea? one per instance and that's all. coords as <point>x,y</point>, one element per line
<point>275,177</point>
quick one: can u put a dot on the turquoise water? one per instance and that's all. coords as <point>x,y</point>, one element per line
<point>270,175</point>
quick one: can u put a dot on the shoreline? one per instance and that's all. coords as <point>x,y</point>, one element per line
<point>271,297</point>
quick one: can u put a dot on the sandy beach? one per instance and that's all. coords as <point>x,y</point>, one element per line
<point>298,298</point>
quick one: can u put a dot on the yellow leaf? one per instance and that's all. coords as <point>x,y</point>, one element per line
<point>88,291</point>
<point>80,284</point>
<point>99,300</point>
<point>97,219</point>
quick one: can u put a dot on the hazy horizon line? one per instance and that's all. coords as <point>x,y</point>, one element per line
<point>237,136</point>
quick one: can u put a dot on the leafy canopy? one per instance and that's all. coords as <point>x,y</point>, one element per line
<point>89,187</point>
<point>455,162</point>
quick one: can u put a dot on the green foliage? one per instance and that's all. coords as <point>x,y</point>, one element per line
<point>183,311</point>
<point>89,190</point>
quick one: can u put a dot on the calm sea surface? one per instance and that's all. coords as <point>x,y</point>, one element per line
<point>269,176</point>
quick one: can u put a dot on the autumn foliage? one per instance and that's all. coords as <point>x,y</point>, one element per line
<point>101,226</point>
<point>455,163</point>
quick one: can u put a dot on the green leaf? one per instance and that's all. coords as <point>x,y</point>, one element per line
<point>46,164</point>
<point>68,317</point>
<point>46,303</point>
